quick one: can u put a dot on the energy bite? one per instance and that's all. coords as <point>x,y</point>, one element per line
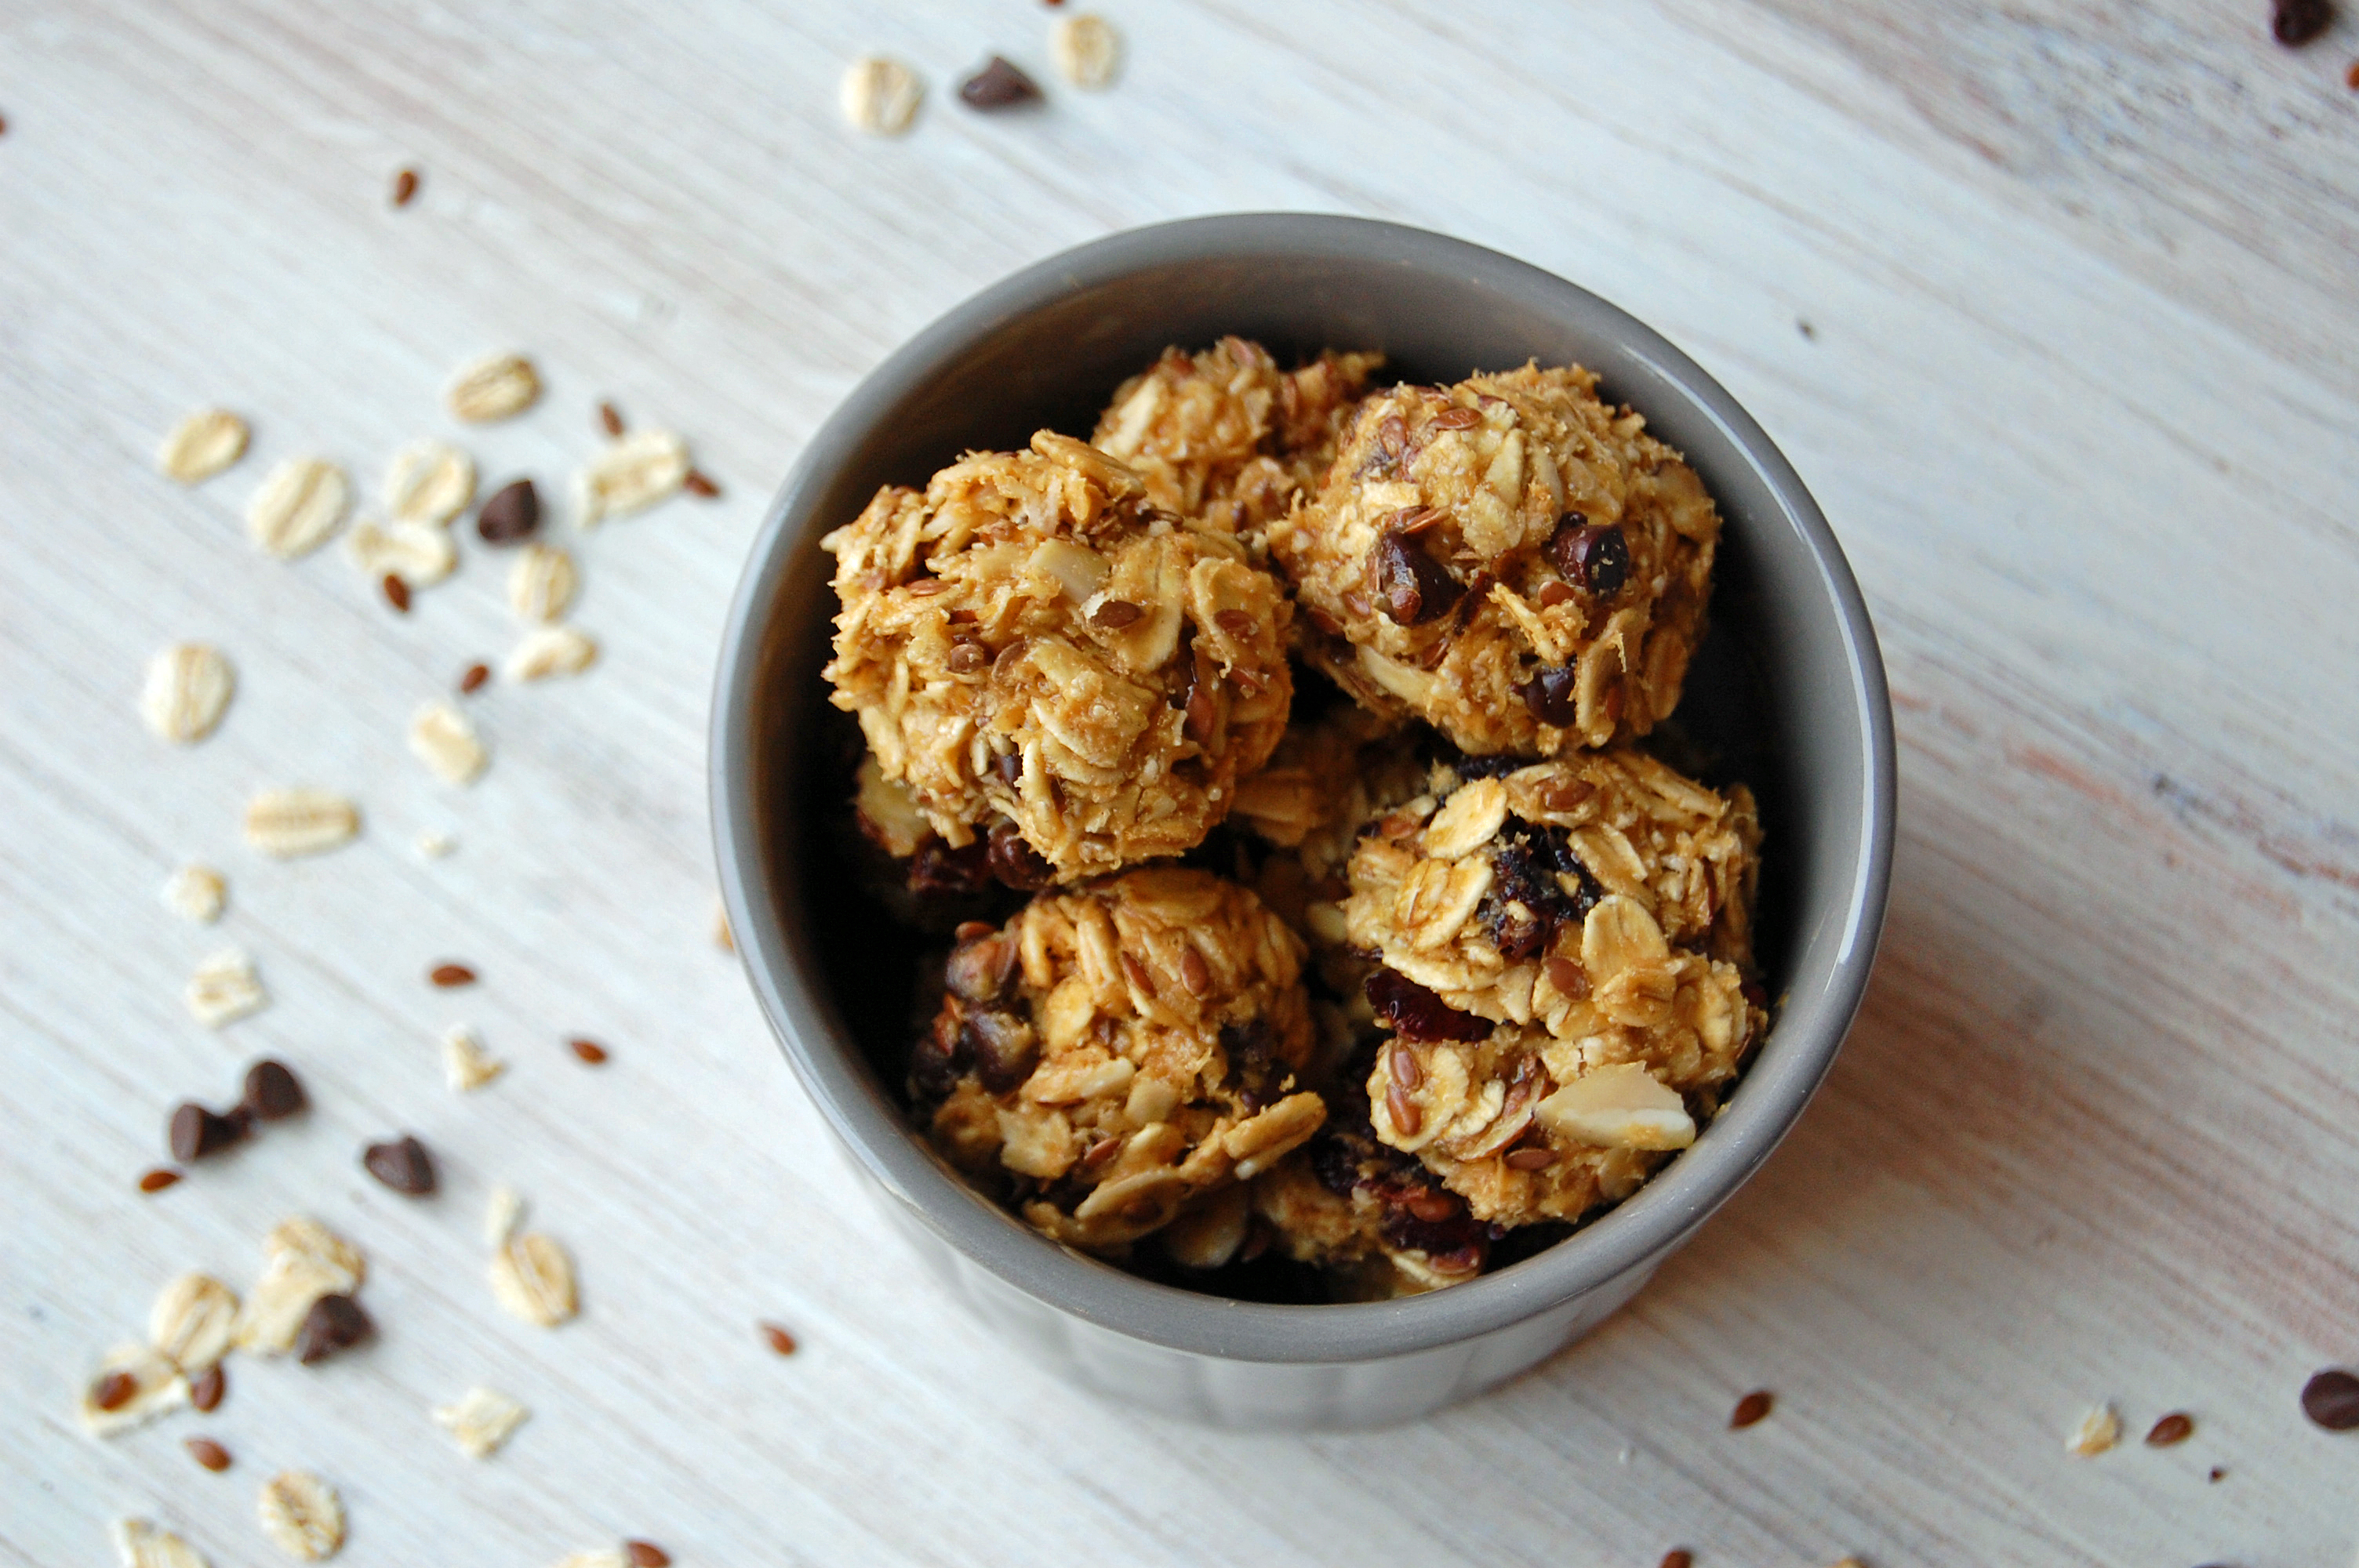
<point>1227,437</point>
<point>1507,558</point>
<point>1120,1050</point>
<point>1047,663</point>
<point>1564,952</point>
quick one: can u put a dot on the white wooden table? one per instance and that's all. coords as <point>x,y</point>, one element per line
<point>2056,306</point>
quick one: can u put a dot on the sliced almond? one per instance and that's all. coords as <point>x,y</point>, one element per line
<point>1618,1107</point>
<point>420,554</point>
<point>299,506</point>
<point>301,1515</point>
<point>479,1421</point>
<point>428,482</point>
<point>193,1322</point>
<point>155,1386</point>
<point>466,1065</point>
<point>188,689</point>
<point>633,474</point>
<point>494,387</point>
<point>139,1544</point>
<point>196,892</point>
<point>542,584</point>
<point>532,1277</point>
<point>223,989</point>
<point>202,445</point>
<point>444,738</point>
<point>285,823</point>
<point>552,651</point>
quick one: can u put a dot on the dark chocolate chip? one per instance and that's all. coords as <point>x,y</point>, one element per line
<point>1015,862</point>
<point>999,85</point>
<point>2294,23</point>
<point>404,1165</point>
<point>197,1132</point>
<point>1549,695</point>
<point>333,1324</point>
<point>2332,1399</point>
<point>1413,586</point>
<point>510,515</point>
<point>272,1093</point>
<point>1591,554</point>
<point>1754,1407</point>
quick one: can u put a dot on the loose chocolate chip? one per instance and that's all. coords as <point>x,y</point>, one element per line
<point>779,1339</point>
<point>1236,622</point>
<point>1457,419</point>
<point>1417,1014</point>
<point>208,1453</point>
<point>474,677</point>
<point>404,1165</point>
<point>510,515</point>
<point>114,1391</point>
<point>1549,695</point>
<point>968,657</point>
<point>272,1093</point>
<point>589,1051</point>
<point>2175,1428</point>
<point>1754,1407</point>
<point>157,1179</point>
<point>396,593</point>
<point>1414,587</point>
<point>997,85</point>
<point>610,419</point>
<point>1015,862</point>
<point>2295,22</point>
<point>206,1388</point>
<point>449,975</point>
<point>2332,1399</point>
<point>197,1132</point>
<point>404,186</point>
<point>646,1554</point>
<point>699,484</point>
<point>1115,614</point>
<point>333,1324</point>
<point>1594,555</point>
<point>1678,1557</point>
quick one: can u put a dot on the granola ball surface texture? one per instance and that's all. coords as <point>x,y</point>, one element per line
<point>1564,951</point>
<point>1227,437</point>
<point>1035,651</point>
<point>1119,1050</point>
<point>1507,558</point>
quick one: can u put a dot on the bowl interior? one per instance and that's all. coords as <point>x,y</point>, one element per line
<point>1786,695</point>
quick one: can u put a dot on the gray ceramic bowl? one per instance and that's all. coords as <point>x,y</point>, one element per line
<point>1789,694</point>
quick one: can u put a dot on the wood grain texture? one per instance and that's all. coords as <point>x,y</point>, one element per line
<point>2051,305</point>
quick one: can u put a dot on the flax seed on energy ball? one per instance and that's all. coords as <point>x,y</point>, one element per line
<point>1507,558</point>
<point>1033,648</point>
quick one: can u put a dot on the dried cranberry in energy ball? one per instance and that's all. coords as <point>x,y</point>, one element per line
<point>1028,641</point>
<point>1507,558</point>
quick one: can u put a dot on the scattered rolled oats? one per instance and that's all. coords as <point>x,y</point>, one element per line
<point>433,843</point>
<point>283,823</point>
<point>502,1216</point>
<point>139,1544</point>
<point>465,1064</point>
<point>196,892</point>
<point>1087,49</point>
<point>202,445</point>
<point>532,1277</point>
<point>428,482</point>
<point>299,506</point>
<point>880,95</point>
<point>633,474</point>
<point>444,740</point>
<point>193,1322</point>
<point>494,387</point>
<point>2099,1429</point>
<point>304,1260</point>
<point>420,554</point>
<point>604,1557</point>
<point>133,1386</point>
<point>542,583</point>
<point>188,690</point>
<point>301,1515</point>
<point>552,651</point>
<point>481,1421</point>
<point>224,989</point>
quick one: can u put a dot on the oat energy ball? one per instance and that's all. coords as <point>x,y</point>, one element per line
<point>1507,558</point>
<point>1042,658</point>
<point>1564,952</point>
<point>1225,435</point>
<point>1119,1051</point>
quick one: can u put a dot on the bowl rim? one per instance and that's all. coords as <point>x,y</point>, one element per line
<point>1636,1233</point>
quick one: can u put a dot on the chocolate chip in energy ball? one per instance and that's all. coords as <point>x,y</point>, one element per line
<point>197,1132</point>
<point>1596,557</point>
<point>1414,587</point>
<point>403,1164</point>
<point>272,1092</point>
<point>510,515</point>
<point>333,1324</point>
<point>1015,862</point>
<point>2332,1399</point>
<point>999,85</point>
<point>1549,695</point>
<point>2294,23</point>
